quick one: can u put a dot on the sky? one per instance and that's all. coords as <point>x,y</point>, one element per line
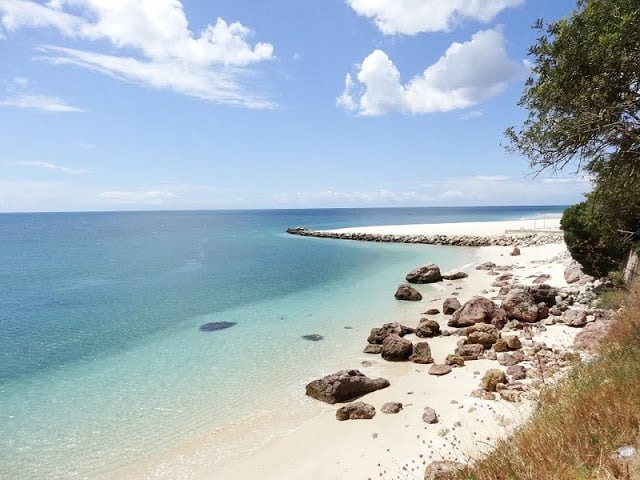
<point>194,104</point>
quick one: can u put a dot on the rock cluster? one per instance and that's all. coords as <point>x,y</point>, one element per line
<point>524,239</point>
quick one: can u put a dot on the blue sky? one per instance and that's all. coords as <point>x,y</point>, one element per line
<point>168,104</point>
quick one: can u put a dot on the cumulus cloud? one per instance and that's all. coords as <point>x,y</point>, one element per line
<point>54,167</point>
<point>410,17</point>
<point>467,74</point>
<point>152,45</point>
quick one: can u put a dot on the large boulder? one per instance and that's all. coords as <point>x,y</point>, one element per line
<point>343,386</point>
<point>520,305</point>
<point>476,310</point>
<point>421,353</point>
<point>378,335</point>
<point>543,293</point>
<point>483,334</point>
<point>492,378</point>
<point>427,328</point>
<point>396,349</point>
<point>426,274</point>
<point>356,411</point>
<point>408,293</point>
<point>573,273</point>
<point>470,352</point>
<point>575,318</point>
<point>450,305</point>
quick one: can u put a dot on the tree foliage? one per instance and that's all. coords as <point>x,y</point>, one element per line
<point>583,103</point>
<point>583,95</point>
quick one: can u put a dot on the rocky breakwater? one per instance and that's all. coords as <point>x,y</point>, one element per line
<point>522,239</point>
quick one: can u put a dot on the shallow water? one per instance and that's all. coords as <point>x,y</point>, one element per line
<point>103,359</point>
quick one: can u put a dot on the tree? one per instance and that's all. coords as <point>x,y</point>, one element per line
<point>583,95</point>
<point>583,102</point>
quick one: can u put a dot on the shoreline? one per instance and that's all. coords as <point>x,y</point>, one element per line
<point>386,446</point>
<point>466,234</point>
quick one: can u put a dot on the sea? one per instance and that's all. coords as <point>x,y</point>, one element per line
<point>103,362</point>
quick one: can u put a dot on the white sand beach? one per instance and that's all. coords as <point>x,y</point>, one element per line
<point>400,445</point>
<point>468,228</point>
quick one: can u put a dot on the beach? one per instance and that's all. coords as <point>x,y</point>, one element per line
<point>400,445</point>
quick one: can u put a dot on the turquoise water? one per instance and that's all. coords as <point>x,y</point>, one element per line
<point>103,362</point>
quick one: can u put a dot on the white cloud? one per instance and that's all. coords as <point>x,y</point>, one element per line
<point>39,102</point>
<point>464,76</point>
<point>453,191</point>
<point>472,114</point>
<point>150,197</point>
<point>161,51</point>
<point>53,166</point>
<point>410,17</point>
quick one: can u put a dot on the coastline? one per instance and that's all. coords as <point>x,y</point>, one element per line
<point>390,445</point>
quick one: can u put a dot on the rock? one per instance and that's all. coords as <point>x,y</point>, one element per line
<point>408,293</point>
<point>454,276</point>
<point>470,352</point>
<point>517,372</point>
<point>543,311</point>
<point>343,386</point>
<point>482,333</point>
<point>515,252</point>
<point>486,266</point>
<point>314,337</point>
<point>589,338</point>
<point>492,378</point>
<point>373,348</point>
<point>427,328</point>
<point>391,407</point>
<point>510,359</point>
<point>513,342</point>
<point>439,369</point>
<point>500,346</point>
<point>476,310</point>
<point>450,305</point>
<point>520,305</point>
<point>432,311</point>
<point>396,348</point>
<point>500,318</point>
<point>573,273</point>
<point>421,353</point>
<point>443,470</point>
<point>215,326</point>
<point>483,394</point>
<point>356,411</point>
<point>378,335</point>
<point>426,274</point>
<point>541,278</point>
<point>575,318</point>
<point>490,355</point>
<point>454,360</point>
<point>429,416</point>
<point>510,395</point>
<point>543,293</point>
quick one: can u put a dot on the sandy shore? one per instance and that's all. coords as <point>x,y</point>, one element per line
<point>468,228</point>
<point>400,445</point>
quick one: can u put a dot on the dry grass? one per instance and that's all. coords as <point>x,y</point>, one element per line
<point>581,421</point>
